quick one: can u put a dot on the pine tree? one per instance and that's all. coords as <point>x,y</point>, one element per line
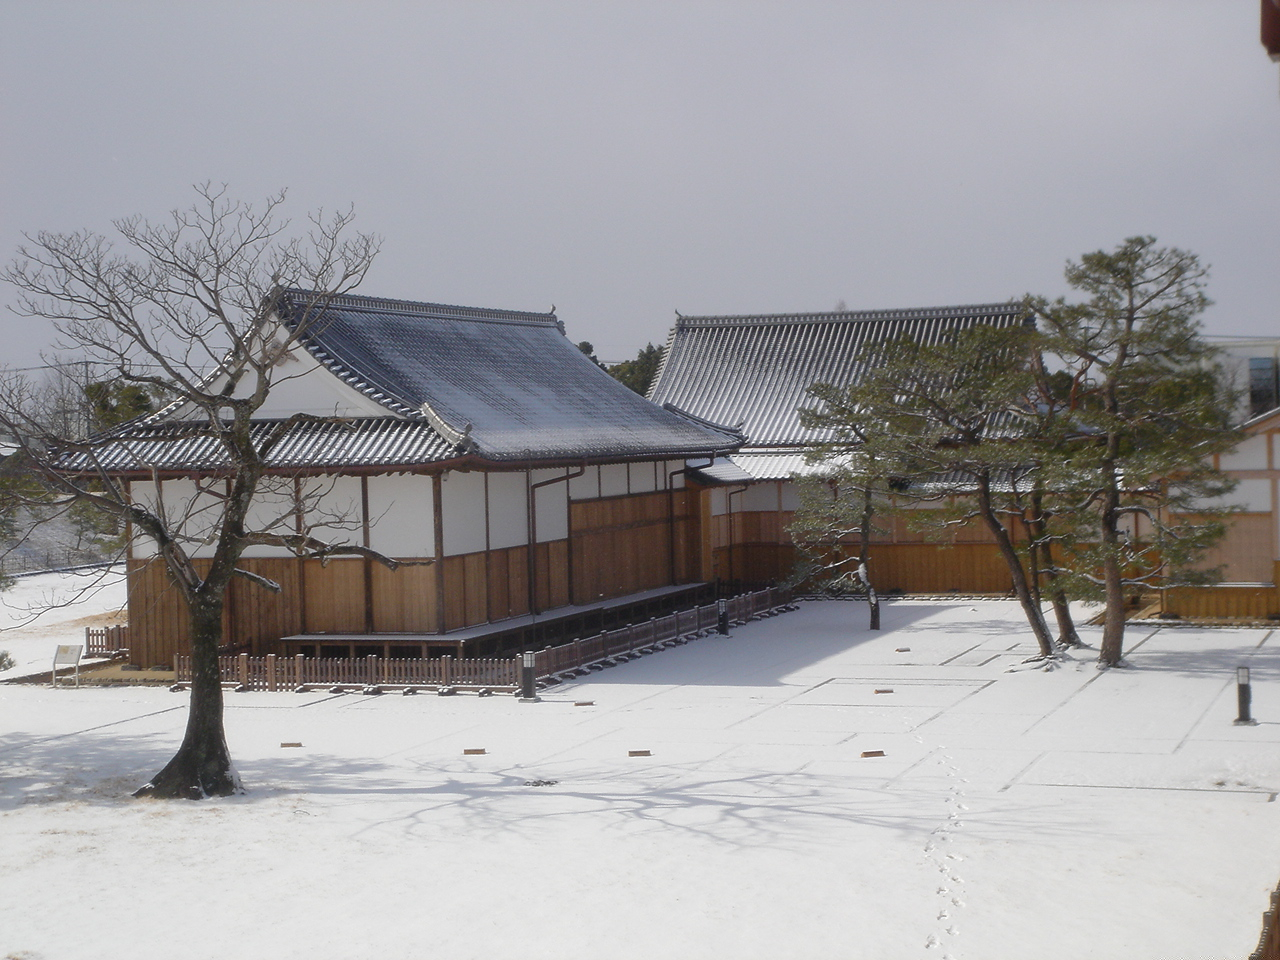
<point>1147,409</point>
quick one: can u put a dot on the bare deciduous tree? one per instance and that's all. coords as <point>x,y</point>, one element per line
<point>184,308</point>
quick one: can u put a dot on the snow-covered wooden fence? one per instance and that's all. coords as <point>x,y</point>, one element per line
<point>106,641</point>
<point>274,672</point>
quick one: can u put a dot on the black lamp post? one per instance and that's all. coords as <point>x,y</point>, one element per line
<point>528,679</point>
<point>1244,697</point>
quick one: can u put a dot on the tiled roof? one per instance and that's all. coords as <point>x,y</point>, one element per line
<point>491,385</point>
<point>501,384</point>
<point>306,445</point>
<point>753,372</point>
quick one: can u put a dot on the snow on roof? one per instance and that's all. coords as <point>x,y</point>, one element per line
<point>503,384</point>
<point>491,385</point>
<point>754,371</point>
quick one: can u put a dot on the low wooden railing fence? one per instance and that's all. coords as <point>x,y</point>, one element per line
<point>106,641</point>
<point>274,672</point>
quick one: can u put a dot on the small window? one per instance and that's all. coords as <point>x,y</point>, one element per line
<point>1264,387</point>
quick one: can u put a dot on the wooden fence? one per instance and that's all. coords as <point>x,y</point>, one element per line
<point>300,673</point>
<point>1269,942</point>
<point>272,672</point>
<point>106,641</point>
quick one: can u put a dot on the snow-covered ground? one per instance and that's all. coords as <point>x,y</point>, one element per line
<point>40,611</point>
<point>1017,815</point>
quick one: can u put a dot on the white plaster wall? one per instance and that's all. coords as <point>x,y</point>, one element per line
<point>758,497</point>
<point>587,486</point>
<point>642,477</point>
<point>462,509</point>
<point>719,501</point>
<point>274,510</point>
<point>334,510</point>
<point>552,506</point>
<point>191,516</point>
<point>790,496</point>
<point>1253,495</point>
<point>1251,454</point>
<point>613,479</point>
<point>676,482</point>
<point>301,385</point>
<point>508,516</point>
<point>401,519</point>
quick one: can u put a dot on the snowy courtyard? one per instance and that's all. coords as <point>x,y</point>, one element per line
<point>1014,813</point>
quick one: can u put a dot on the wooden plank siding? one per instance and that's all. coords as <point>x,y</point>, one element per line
<point>620,545</point>
<point>627,544</point>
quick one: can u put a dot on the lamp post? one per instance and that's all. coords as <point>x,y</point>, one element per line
<point>528,679</point>
<point>1244,696</point>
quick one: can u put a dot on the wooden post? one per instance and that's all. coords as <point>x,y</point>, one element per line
<point>299,669</point>
<point>242,666</point>
<point>371,669</point>
<point>437,509</point>
<point>271,671</point>
<point>446,674</point>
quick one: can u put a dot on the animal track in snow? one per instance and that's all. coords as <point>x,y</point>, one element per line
<point>938,851</point>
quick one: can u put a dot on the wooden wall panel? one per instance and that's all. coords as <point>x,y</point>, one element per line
<point>499,585</point>
<point>455,595</point>
<point>256,616</point>
<point>1246,553</point>
<point>404,599</point>
<point>475,588</point>
<point>334,601</point>
<point>910,567</point>
<point>623,545</point>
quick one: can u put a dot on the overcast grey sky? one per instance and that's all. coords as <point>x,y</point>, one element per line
<point>626,160</point>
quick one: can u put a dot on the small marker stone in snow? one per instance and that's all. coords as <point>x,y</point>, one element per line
<point>884,691</point>
<point>639,753</point>
<point>585,703</point>
<point>290,745</point>
<point>473,751</point>
<point>873,753</point>
<point>903,650</point>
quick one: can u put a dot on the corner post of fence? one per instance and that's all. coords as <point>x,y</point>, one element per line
<point>242,668</point>
<point>271,671</point>
<point>446,671</point>
<point>371,669</point>
<point>604,643</point>
<point>577,652</point>
<point>298,669</point>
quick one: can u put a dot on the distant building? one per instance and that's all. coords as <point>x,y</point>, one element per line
<point>754,372</point>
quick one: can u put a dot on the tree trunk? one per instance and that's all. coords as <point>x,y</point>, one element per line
<point>1067,635</point>
<point>1112,650</point>
<point>873,599</point>
<point>202,766</point>
<point>1021,589</point>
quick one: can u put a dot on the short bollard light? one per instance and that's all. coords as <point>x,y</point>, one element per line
<point>528,680</point>
<point>722,617</point>
<point>1244,697</point>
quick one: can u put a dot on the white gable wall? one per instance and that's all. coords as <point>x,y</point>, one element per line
<point>302,385</point>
